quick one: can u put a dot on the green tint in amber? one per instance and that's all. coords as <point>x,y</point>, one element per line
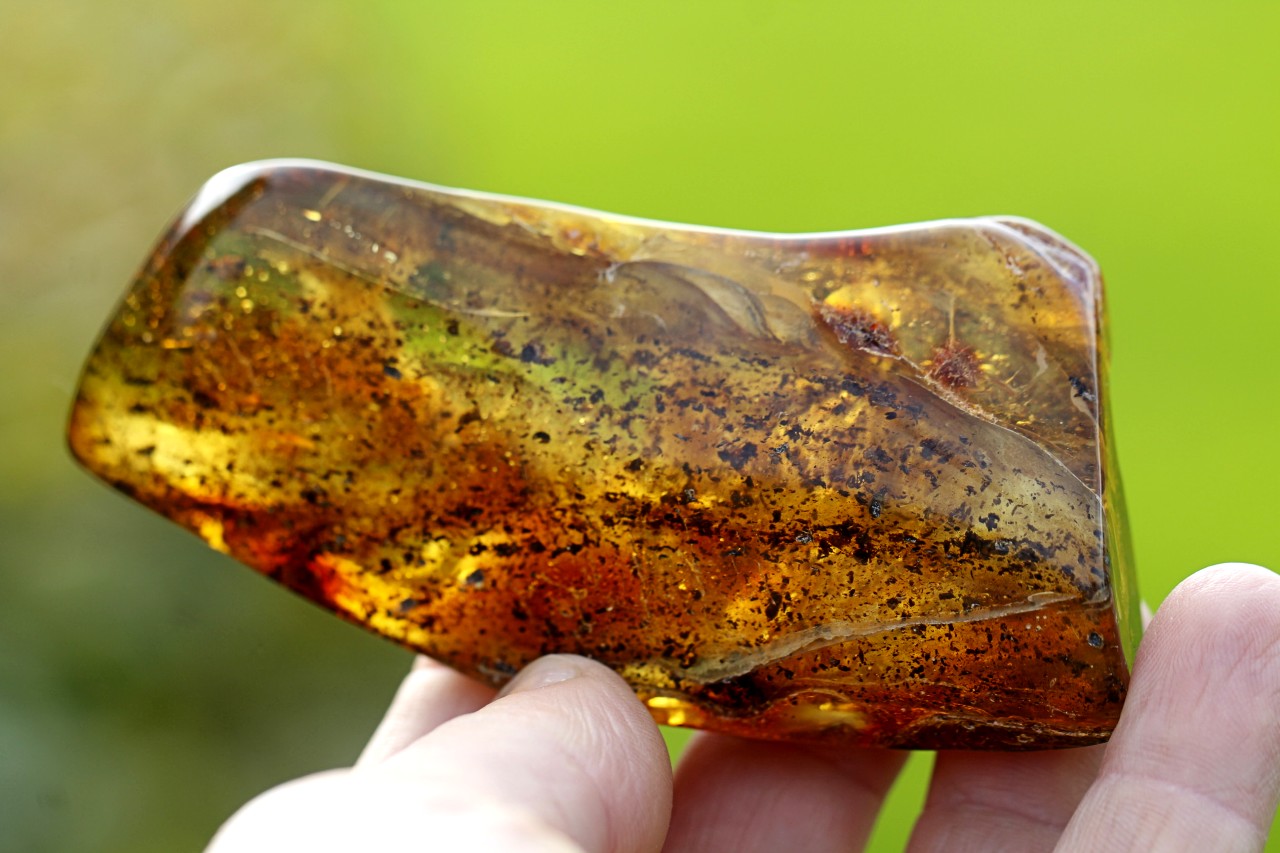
<point>849,487</point>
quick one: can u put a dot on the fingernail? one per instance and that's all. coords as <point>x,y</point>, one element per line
<point>543,673</point>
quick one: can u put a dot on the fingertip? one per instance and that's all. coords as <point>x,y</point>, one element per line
<point>594,713</point>
<point>566,740</point>
<point>1229,580</point>
<point>1223,616</point>
<point>598,703</point>
<point>1234,581</point>
<point>1193,759</point>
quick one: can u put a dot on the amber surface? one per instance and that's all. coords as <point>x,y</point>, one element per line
<point>851,487</point>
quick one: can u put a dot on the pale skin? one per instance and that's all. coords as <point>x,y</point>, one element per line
<point>567,759</point>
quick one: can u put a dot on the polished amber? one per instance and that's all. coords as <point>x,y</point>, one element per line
<point>851,487</point>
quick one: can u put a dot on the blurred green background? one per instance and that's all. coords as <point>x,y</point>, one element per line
<point>149,686</point>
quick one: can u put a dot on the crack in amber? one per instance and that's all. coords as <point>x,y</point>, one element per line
<point>847,487</point>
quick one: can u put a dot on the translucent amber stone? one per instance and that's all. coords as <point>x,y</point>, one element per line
<point>851,487</point>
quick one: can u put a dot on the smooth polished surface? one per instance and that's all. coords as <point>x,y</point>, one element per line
<point>848,486</point>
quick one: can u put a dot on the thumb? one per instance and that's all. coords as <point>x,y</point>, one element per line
<point>568,742</point>
<point>565,759</point>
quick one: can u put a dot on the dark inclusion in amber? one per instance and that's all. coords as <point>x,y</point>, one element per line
<point>848,487</point>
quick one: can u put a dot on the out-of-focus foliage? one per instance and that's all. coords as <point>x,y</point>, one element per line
<point>148,686</point>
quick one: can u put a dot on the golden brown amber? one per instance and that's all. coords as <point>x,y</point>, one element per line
<point>849,487</point>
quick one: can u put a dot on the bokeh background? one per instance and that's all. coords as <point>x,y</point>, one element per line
<point>149,686</point>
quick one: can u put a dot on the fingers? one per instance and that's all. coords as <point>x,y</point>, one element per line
<point>1195,761</point>
<point>566,759</point>
<point>732,794</point>
<point>567,745</point>
<point>429,695</point>
<point>990,801</point>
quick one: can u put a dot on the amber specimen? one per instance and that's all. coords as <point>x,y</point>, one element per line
<point>848,487</point>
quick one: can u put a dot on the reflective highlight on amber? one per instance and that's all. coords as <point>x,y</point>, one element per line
<point>849,487</point>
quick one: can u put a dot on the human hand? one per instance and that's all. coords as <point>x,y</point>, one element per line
<point>567,759</point>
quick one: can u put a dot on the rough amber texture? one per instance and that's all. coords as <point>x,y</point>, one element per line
<point>849,487</point>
